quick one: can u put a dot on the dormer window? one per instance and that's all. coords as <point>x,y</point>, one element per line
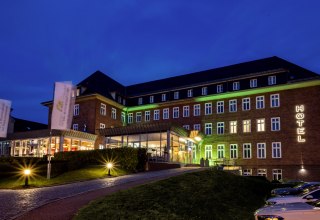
<point>190,93</point>
<point>219,88</point>
<point>176,95</point>
<point>272,80</point>
<point>163,97</point>
<point>151,99</point>
<point>253,83</point>
<point>204,91</point>
<point>140,101</point>
<point>236,86</point>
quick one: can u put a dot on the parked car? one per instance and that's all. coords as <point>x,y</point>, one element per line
<point>289,211</point>
<point>294,190</point>
<point>306,196</point>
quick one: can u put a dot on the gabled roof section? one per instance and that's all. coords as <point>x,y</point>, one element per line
<point>21,125</point>
<point>102,84</point>
<point>222,73</point>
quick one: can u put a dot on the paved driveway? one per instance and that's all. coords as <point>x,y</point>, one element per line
<point>16,202</point>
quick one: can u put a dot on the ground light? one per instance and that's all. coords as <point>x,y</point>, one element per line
<point>109,166</point>
<point>26,173</point>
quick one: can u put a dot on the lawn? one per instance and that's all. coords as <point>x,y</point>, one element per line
<point>86,173</point>
<point>209,194</point>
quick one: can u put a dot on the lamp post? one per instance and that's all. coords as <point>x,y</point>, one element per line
<point>109,166</point>
<point>26,173</point>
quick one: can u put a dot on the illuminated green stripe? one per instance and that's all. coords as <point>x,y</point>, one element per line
<point>141,107</point>
<point>258,91</point>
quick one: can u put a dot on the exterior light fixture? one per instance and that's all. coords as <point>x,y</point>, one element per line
<point>197,138</point>
<point>109,167</point>
<point>26,173</point>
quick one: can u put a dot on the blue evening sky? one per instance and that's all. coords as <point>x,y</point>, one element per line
<point>135,41</point>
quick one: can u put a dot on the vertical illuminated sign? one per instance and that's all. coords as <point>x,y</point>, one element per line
<point>301,130</point>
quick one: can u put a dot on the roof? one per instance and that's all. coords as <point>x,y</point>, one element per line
<point>219,74</point>
<point>25,125</point>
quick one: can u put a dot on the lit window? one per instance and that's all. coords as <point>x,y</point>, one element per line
<point>151,99</point>
<point>261,150</point>
<point>259,102</point>
<point>130,118</point>
<point>208,151</point>
<point>102,126</point>
<point>190,93</point>
<point>220,151</point>
<point>233,127</point>
<point>246,104</point>
<point>219,88</point>
<point>253,83</point>
<point>114,113</point>
<point>176,95</point>
<point>276,150</point>
<point>220,128</point>
<point>220,107</point>
<point>246,126</point>
<point>156,115</point>
<point>176,112</point>
<point>274,100</point>
<point>138,117</point>
<point>164,97</point>
<point>247,172</point>
<point>275,124</point>
<point>75,127</point>
<point>76,109</point>
<point>185,111</point>
<point>101,146</point>
<point>204,91</point>
<point>166,113</point>
<point>236,86</point>
<point>262,172</point>
<point>261,125</point>
<point>208,108</point>
<point>103,109</point>
<point>187,127</point>
<point>147,115</point>
<point>246,151</point>
<point>140,101</point>
<point>208,129</point>
<point>233,151</point>
<point>196,127</point>
<point>277,174</point>
<point>272,80</point>
<point>123,117</point>
<point>196,110</point>
<point>233,105</point>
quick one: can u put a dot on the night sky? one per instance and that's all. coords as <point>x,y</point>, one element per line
<point>135,41</point>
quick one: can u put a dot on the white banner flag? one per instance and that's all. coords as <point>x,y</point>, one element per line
<point>64,97</point>
<point>5,108</point>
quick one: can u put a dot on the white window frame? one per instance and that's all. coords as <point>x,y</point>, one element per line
<point>262,172</point>
<point>196,110</point>
<point>130,118</point>
<point>275,124</point>
<point>175,112</point>
<point>138,117</point>
<point>208,108</point>
<point>102,125</point>
<point>233,151</point>
<point>220,128</point>
<point>147,116</point>
<point>186,111</point>
<point>246,126</point>
<point>247,151</point>
<point>220,107</point>
<point>261,125</point>
<point>187,127</point>
<point>151,99</point>
<point>204,90</point>
<point>247,172</point>
<point>165,113</point>
<point>220,151</point>
<point>246,104</point>
<point>75,127</point>
<point>208,151</point>
<point>253,83</point>
<point>261,150</point>
<point>156,115</point>
<point>275,100</point>
<point>103,109</point>
<point>233,105</point>
<point>176,95</point>
<point>233,127</point>
<point>276,150</point>
<point>163,97</point>
<point>190,93</point>
<point>76,109</point>
<point>260,102</point>
<point>276,174</point>
<point>140,101</point>
<point>235,86</point>
<point>220,88</point>
<point>208,128</point>
<point>272,80</point>
<point>197,127</point>
<point>113,113</point>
